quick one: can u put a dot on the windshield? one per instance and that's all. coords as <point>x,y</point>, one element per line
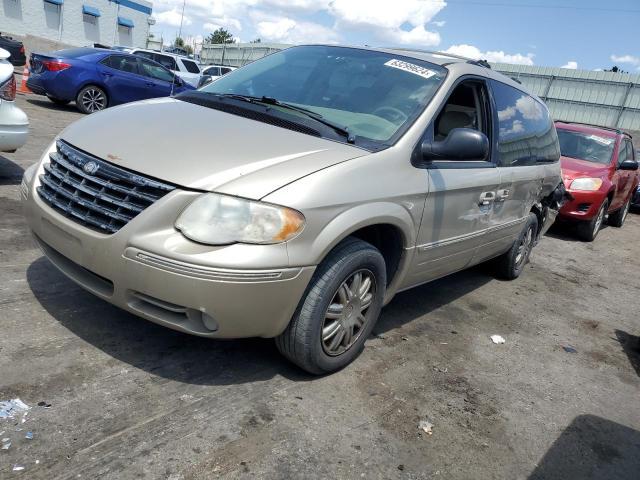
<point>585,146</point>
<point>374,95</point>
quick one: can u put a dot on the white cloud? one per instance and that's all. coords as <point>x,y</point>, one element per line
<point>416,36</point>
<point>628,59</point>
<point>529,108</point>
<point>492,56</point>
<point>507,114</point>
<point>172,18</point>
<point>439,23</point>
<point>287,30</point>
<point>571,65</point>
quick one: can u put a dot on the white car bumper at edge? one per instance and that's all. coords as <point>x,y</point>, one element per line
<point>14,126</point>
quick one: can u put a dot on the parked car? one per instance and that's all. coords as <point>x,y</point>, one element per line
<point>213,72</point>
<point>293,208</point>
<point>185,68</point>
<point>14,124</point>
<point>15,48</point>
<point>600,173</point>
<point>635,200</point>
<point>96,79</point>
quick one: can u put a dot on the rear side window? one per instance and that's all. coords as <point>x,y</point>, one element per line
<point>190,66</point>
<point>224,71</point>
<point>213,71</point>
<point>148,55</point>
<point>165,61</point>
<point>624,152</point>
<point>124,63</point>
<point>526,134</point>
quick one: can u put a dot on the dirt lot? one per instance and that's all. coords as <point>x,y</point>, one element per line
<point>130,399</point>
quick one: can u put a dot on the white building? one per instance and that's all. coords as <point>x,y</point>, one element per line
<point>78,22</point>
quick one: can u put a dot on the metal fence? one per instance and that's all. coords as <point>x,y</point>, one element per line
<point>601,98</point>
<point>237,54</point>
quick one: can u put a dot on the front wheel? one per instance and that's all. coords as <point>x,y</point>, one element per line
<point>588,231</point>
<point>617,219</point>
<point>91,99</point>
<point>510,265</point>
<point>339,310</point>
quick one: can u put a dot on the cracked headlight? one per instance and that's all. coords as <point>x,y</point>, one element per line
<point>221,219</point>
<point>586,184</point>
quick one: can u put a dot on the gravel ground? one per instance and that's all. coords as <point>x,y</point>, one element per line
<point>130,399</point>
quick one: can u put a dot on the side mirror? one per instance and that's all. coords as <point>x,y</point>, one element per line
<point>461,144</point>
<point>628,165</point>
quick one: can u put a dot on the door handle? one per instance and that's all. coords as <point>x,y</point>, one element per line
<point>151,84</point>
<point>502,195</point>
<point>486,198</point>
<point>107,74</point>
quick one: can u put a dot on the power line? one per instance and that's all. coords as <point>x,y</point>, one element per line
<point>542,6</point>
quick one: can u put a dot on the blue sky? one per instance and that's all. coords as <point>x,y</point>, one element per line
<point>589,34</point>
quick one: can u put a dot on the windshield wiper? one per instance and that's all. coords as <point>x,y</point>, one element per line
<point>309,113</point>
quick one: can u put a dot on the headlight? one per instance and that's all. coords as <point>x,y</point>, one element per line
<point>586,184</point>
<point>220,220</point>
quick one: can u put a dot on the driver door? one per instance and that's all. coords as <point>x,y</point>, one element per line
<point>458,208</point>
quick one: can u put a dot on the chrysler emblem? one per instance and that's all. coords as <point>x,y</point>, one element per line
<point>90,167</point>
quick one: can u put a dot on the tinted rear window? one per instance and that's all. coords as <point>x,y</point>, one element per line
<point>190,66</point>
<point>526,134</point>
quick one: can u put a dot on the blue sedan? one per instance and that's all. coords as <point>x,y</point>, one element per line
<point>96,78</point>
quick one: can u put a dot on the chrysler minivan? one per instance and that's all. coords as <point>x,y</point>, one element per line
<point>308,188</point>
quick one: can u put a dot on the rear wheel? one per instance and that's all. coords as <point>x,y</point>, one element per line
<point>510,265</point>
<point>91,99</point>
<point>339,310</point>
<point>58,101</point>
<point>617,219</point>
<point>588,231</point>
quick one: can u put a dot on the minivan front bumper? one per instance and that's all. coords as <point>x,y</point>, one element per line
<point>149,269</point>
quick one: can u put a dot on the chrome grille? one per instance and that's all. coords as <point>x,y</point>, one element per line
<point>93,192</point>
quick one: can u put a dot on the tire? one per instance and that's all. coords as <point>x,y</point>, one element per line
<point>58,101</point>
<point>91,99</point>
<point>303,342</point>
<point>617,219</point>
<point>510,265</point>
<point>588,231</point>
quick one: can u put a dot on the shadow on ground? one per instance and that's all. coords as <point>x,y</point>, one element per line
<point>592,448</point>
<point>10,173</point>
<point>44,102</point>
<point>190,359</point>
<point>631,346</point>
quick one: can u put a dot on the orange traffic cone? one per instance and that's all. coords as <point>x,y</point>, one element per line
<point>23,84</point>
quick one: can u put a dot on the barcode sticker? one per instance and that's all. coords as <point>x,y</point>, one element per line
<point>411,68</point>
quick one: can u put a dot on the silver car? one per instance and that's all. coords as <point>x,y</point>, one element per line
<point>297,195</point>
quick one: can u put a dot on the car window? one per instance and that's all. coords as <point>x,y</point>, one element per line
<point>166,61</point>
<point>526,133</point>
<point>213,71</point>
<point>376,95</point>
<point>586,146</point>
<point>224,71</point>
<point>155,71</point>
<point>466,107</point>
<point>190,66</point>
<point>124,63</point>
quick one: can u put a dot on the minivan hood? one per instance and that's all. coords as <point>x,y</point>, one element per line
<point>573,168</point>
<point>202,148</point>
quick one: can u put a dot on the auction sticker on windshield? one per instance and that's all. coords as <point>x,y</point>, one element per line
<point>411,68</point>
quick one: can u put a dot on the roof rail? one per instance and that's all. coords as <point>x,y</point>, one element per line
<point>610,129</point>
<point>480,63</point>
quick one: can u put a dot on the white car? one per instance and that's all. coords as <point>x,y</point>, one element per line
<point>213,72</point>
<point>14,124</point>
<point>184,67</point>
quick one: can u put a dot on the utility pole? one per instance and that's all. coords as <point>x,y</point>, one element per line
<point>181,19</point>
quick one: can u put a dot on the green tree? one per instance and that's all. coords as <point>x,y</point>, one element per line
<point>257,40</point>
<point>221,35</point>
<point>178,42</point>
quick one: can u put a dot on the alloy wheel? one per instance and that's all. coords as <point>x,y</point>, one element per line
<point>598,224</point>
<point>524,247</point>
<point>346,316</point>
<point>93,100</point>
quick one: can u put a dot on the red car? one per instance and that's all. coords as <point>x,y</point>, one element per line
<point>599,170</point>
